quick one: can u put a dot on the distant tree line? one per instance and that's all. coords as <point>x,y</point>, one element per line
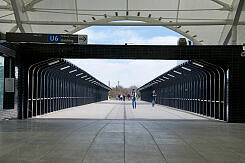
<point>119,90</point>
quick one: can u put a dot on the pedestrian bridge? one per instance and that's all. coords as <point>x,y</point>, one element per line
<point>65,117</point>
<point>209,83</point>
<point>120,110</point>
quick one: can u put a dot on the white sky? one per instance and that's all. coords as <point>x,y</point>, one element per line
<point>128,72</point>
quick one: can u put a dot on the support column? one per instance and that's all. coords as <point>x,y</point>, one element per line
<point>22,88</point>
<point>236,89</point>
<point>9,76</point>
<point>234,35</point>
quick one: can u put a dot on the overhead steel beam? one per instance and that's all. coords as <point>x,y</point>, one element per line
<point>129,23</point>
<point>234,35</point>
<point>177,16</point>
<point>8,21</point>
<point>225,5</point>
<point>5,7</point>
<point>121,23</point>
<point>76,10</point>
<point>7,51</point>
<point>20,15</point>
<point>14,29</point>
<point>129,10</point>
<point>8,2</point>
<point>234,15</point>
<point>30,5</point>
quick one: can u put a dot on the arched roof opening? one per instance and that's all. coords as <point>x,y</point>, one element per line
<point>131,35</point>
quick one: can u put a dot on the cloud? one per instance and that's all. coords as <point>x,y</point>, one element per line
<point>122,36</point>
<point>164,40</point>
<point>93,36</point>
<point>128,72</point>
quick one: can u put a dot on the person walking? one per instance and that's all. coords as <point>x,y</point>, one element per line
<point>128,97</point>
<point>134,95</point>
<point>154,95</point>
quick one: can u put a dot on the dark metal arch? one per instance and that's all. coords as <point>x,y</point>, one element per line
<point>193,89</point>
<point>31,70</point>
<point>55,89</point>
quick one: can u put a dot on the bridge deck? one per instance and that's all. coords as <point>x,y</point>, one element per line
<point>120,110</point>
<point>178,138</point>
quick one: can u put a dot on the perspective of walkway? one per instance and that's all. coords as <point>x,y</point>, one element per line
<point>119,110</point>
<point>112,132</point>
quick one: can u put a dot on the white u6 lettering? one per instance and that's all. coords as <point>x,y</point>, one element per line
<point>54,38</point>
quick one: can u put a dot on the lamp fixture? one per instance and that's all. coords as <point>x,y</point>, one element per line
<point>177,72</point>
<point>186,68</point>
<point>52,63</point>
<point>65,67</point>
<point>72,71</point>
<point>170,75</point>
<point>165,77</point>
<point>79,74</point>
<point>197,64</point>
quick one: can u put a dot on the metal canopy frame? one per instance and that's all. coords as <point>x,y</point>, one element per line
<point>52,87</point>
<point>224,60</point>
<point>219,17</point>
<point>197,90</point>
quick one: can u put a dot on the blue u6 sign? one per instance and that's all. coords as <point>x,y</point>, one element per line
<point>54,38</point>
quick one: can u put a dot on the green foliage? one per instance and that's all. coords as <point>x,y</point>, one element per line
<point>120,90</point>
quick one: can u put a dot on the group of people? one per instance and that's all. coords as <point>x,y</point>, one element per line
<point>122,97</point>
<point>134,97</point>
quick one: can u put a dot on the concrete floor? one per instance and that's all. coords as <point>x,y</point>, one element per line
<point>121,141</point>
<point>120,110</point>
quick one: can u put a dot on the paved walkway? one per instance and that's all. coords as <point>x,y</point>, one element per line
<point>177,138</point>
<point>120,110</point>
<point>121,141</point>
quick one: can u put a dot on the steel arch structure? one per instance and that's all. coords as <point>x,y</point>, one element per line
<point>191,86</point>
<point>56,84</point>
<point>219,83</point>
